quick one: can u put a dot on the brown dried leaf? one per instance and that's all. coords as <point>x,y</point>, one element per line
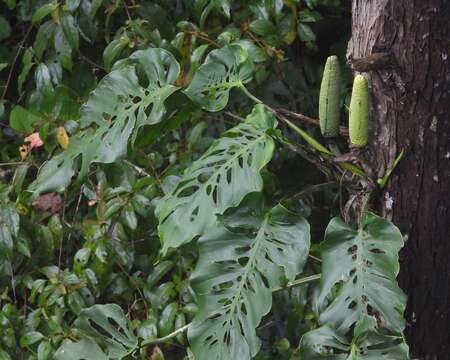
<point>48,202</point>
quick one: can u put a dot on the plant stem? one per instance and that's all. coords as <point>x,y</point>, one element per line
<point>342,129</point>
<point>165,338</point>
<point>298,282</point>
<point>311,189</point>
<point>254,98</point>
<point>181,330</point>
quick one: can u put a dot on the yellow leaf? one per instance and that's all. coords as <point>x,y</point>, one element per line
<point>24,150</point>
<point>62,137</point>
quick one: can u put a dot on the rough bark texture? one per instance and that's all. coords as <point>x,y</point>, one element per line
<point>411,111</point>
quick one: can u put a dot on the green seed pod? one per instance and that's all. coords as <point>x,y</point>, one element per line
<point>359,112</point>
<point>329,99</point>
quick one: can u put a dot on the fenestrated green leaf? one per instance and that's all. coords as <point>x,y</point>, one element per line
<point>229,170</point>
<point>110,338</point>
<point>223,70</point>
<point>362,266</point>
<point>85,349</point>
<point>325,343</point>
<point>239,264</point>
<point>118,106</point>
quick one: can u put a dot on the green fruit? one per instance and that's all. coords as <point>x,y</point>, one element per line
<point>359,112</point>
<point>329,100</point>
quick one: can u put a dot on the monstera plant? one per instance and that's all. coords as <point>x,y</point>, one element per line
<point>183,206</point>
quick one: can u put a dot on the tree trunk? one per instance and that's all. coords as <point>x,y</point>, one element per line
<point>411,110</point>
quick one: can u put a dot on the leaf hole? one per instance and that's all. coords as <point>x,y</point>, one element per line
<point>194,214</point>
<point>377,251</point>
<point>187,191</point>
<point>243,261</point>
<point>352,304</point>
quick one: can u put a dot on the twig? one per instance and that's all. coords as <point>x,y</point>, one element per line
<point>13,163</point>
<point>234,116</point>
<point>315,258</point>
<point>308,156</point>
<point>203,36</point>
<point>14,61</point>
<point>139,170</point>
<point>132,281</point>
<point>126,10</point>
<point>93,63</point>
<point>312,189</point>
<point>342,129</point>
<point>298,282</point>
<point>70,233</point>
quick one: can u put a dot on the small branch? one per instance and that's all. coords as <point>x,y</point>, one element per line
<point>11,70</point>
<point>203,36</point>
<point>312,189</point>
<point>343,131</point>
<point>181,330</point>
<point>13,163</point>
<point>234,116</point>
<point>309,156</point>
<point>138,169</point>
<point>315,258</point>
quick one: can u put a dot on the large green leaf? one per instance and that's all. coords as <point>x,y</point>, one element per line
<point>223,70</point>
<point>85,349</point>
<point>229,170</point>
<point>239,264</point>
<point>359,270</point>
<point>118,107</point>
<point>106,335</point>
<point>325,343</point>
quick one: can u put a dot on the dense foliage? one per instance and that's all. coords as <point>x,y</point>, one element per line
<point>163,197</point>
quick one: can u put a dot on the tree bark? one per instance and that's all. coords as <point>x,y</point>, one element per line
<point>411,110</point>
